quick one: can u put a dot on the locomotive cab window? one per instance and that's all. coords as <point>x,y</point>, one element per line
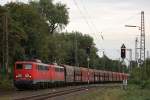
<point>28,66</point>
<point>19,66</point>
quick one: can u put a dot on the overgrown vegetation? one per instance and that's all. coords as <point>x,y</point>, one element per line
<point>6,85</point>
<point>132,93</point>
<point>141,75</point>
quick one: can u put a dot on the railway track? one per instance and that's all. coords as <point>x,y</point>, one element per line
<point>61,92</point>
<point>51,94</point>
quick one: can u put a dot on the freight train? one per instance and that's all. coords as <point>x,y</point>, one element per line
<point>34,73</point>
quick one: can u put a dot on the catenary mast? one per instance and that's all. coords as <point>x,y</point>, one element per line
<point>142,42</point>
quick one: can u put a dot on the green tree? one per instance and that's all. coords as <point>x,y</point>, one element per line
<point>56,15</point>
<point>28,22</point>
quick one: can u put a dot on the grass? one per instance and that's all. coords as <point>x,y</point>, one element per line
<point>6,97</point>
<point>6,88</point>
<point>136,93</point>
<point>132,93</point>
<point>6,85</point>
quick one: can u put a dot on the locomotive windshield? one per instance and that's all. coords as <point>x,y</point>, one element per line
<point>27,66</point>
<point>19,66</point>
<point>23,66</point>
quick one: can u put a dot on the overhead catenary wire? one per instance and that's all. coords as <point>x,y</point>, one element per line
<point>88,24</point>
<point>92,23</point>
<point>76,4</point>
<point>96,31</point>
<point>84,17</point>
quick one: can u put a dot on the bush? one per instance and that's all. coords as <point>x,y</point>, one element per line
<point>135,82</point>
<point>6,85</point>
<point>145,84</point>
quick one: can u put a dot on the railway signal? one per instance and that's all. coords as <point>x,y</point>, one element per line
<point>123,51</point>
<point>88,60</point>
<point>88,50</point>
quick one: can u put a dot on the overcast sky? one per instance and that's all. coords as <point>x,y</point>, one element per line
<point>109,17</point>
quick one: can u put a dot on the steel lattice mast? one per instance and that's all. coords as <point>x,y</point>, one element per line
<point>142,42</point>
<point>136,49</point>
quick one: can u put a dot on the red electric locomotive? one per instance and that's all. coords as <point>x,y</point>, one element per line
<point>29,74</point>
<point>58,77</point>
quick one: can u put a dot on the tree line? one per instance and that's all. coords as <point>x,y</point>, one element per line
<point>34,31</point>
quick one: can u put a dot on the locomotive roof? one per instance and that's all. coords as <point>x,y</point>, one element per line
<point>25,62</point>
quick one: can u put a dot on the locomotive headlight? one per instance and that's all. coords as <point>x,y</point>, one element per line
<point>27,76</point>
<point>19,76</point>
